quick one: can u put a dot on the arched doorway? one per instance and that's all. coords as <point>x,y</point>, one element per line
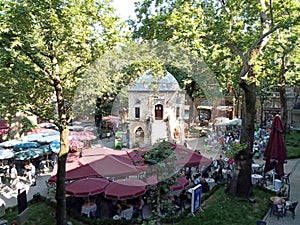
<point>139,136</point>
<point>159,112</point>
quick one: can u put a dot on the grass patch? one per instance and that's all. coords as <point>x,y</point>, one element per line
<point>293,144</point>
<point>40,212</point>
<point>223,209</point>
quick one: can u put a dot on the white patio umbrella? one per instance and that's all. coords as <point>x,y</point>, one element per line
<point>10,143</point>
<point>32,137</point>
<point>6,154</point>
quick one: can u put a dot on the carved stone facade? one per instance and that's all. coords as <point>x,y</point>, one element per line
<point>155,110</point>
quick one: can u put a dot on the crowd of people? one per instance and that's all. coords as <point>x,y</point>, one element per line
<point>14,171</point>
<point>98,207</point>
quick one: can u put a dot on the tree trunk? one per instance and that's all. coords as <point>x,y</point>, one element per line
<point>247,137</point>
<point>63,115</point>
<point>61,211</point>
<point>242,186</point>
<point>284,111</point>
<point>262,102</point>
<point>282,94</point>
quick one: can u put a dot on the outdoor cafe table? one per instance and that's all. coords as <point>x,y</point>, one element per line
<point>255,178</point>
<point>255,166</point>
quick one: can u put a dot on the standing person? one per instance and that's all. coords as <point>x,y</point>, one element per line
<point>139,207</point>
<point>31,173</point>
<point>100,135</point>
<point>53,159</point>
<point>14,175</point>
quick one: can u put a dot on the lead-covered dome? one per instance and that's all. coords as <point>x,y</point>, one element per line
<point>147,82</point>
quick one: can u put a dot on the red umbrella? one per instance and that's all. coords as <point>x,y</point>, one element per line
<point>110,165</point>
<point>86,187</point>
<point>181,183</point>
<point>125,189</point>
<point>90,164</point>
<point>275,152</point>
<point>4,127</point>
<point>82,136</point>
<point>189,158</point>
<point>97,166</point>
<point>74,171</point>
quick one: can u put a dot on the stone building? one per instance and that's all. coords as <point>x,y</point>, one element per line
<point>156,107</point>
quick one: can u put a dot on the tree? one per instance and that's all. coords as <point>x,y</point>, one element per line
<point>241,27</point>
<point>281,66</point>
<point>160,160</point>
<point>45,47</point>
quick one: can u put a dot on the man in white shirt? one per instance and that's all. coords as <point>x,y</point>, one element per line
<point>31,173</point>
<point>13,175</point>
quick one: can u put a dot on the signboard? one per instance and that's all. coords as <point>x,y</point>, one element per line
<point>23,211</point>
<point>196,198</point>
<point>22,201</point>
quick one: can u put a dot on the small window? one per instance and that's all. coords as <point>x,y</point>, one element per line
<point>177,112</point>
<point>137,112</point>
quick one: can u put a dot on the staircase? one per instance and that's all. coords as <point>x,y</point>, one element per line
<point>159,130</point>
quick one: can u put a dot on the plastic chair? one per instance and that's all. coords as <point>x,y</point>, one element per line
<point>279,211</point>
<point>292,208</point>
<point>286,178</point>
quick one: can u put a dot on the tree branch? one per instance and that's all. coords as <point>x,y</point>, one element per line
<point>38,64</point>
<point>73,71</point>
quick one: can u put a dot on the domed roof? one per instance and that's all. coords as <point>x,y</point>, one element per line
<point>147,82</point>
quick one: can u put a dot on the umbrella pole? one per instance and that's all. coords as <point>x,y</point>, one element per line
<point>273,178</point>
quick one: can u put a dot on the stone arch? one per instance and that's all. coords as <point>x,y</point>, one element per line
<point>138,135</point>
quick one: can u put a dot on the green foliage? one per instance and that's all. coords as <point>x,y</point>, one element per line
<point>45,48</point>
<point>27,125</point>
<point>293,144</point>
<point>234,151</point>
<point>49,50</point>
<point>158,153</point>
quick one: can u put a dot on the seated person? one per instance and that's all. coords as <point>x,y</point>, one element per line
<point>283,193</point>
<point>139,207</point>
<point>89,209</point>
<point>204,184</point>
<point>127,213</point>
<point>197,179</point>
<point>183,198</point>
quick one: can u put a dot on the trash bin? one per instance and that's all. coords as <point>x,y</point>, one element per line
<point>277,184</point>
